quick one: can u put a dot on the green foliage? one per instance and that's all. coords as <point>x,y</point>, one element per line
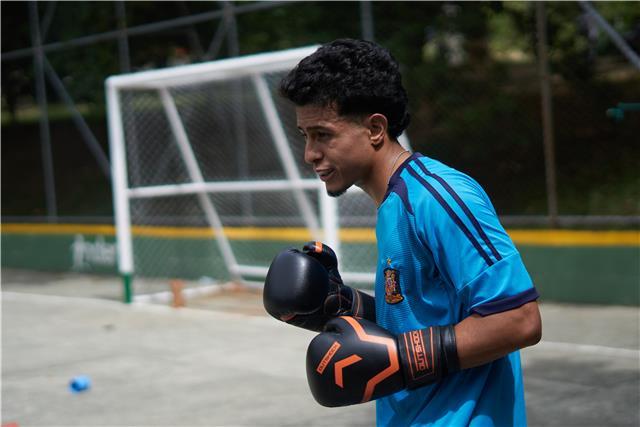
<point>298,24</point>
<point>469,68</point>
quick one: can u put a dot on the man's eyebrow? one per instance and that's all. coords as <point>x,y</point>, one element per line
<point>314,127</point>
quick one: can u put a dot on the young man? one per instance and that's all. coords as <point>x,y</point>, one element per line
<point>453,302</point>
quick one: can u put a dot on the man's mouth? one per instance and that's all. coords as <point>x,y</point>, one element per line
<point>324,174</point>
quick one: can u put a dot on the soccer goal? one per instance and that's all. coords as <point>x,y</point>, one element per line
<point>209,178</point>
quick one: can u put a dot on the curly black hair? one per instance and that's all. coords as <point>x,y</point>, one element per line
<point>358,77</point>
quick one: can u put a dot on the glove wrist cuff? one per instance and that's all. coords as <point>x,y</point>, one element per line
<point>427,355</point>
<point>451,362</point>
<point>363,305</point>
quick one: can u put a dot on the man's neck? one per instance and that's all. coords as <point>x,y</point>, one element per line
<point>389,159</point>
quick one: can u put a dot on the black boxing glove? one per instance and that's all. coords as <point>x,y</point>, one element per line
<point>301,291</point>
<point>342,300</point>
<point>355,361</point>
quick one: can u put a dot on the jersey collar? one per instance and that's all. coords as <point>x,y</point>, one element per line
<point>395,178</point>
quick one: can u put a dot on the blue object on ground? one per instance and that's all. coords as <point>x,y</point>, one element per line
<point>79,384</point>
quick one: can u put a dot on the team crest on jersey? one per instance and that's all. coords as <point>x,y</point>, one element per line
<point>392,291</point>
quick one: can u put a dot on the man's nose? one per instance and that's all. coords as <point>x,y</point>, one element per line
<point>311,154</point>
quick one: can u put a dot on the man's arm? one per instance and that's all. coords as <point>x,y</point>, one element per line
<point>384,363</point>
<point>481,340</point>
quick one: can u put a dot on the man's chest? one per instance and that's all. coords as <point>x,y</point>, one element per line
<point>409,288</point>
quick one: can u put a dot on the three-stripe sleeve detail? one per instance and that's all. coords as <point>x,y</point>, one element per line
<point>456,219</point>
<point>465,209</point>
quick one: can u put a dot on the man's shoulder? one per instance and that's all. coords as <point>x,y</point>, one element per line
<point>430,181</point>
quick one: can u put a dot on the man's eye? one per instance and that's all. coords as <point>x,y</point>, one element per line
<point>323,135</point>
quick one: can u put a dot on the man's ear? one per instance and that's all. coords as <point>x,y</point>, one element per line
<point>378,125</point>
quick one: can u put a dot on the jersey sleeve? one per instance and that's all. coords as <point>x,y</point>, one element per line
<point>458,224</point>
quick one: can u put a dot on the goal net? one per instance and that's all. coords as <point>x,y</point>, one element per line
<point>209,178</point>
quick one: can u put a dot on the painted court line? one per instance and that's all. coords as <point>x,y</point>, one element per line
<point>543,237</point>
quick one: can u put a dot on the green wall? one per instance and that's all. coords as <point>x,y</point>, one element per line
<point>576,274</point>
<point>598,275</point>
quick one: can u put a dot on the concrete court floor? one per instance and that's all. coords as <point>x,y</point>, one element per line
<point>223,362</point>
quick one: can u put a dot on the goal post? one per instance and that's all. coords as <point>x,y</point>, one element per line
<point>209,179</point>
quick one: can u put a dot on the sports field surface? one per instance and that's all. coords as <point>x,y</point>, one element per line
<point>221,361</point>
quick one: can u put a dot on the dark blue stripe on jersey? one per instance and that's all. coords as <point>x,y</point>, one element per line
<point>464,207</point>
<point>507,304</point>
<point>452,214</point>
<point>395,180</point>
<point>398,186</point>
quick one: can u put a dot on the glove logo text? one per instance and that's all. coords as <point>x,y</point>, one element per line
<point>327,357</point>
<point>418,350</point>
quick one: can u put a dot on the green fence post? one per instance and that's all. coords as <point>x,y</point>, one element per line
<point>128,292</point>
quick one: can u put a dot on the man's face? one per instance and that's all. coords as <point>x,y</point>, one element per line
<point>338,148</point>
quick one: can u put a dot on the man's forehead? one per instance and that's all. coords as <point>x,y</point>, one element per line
<point>315,115</point>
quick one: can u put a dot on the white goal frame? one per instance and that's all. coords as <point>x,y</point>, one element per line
<point>324,228</point>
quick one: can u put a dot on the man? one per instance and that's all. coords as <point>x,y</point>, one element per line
<point>453,302</point>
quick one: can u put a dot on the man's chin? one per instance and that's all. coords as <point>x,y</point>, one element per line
<point>337,193</point>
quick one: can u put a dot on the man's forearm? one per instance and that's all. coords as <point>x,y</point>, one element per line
<point>481,340</point>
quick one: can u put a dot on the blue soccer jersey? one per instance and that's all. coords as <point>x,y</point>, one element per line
<point>442,256</point>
